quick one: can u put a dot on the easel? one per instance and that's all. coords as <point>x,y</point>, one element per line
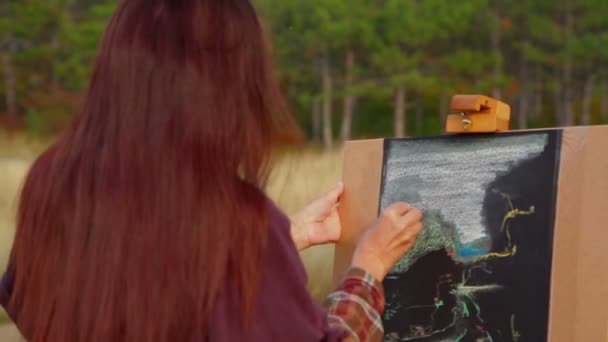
<point>478,114</point>
<point>579,290</point>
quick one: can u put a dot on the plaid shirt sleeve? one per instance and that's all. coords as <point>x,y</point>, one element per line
<point>357,306</point>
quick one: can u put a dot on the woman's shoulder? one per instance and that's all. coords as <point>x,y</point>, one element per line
<point>278,220</point>
<point>277,217</point>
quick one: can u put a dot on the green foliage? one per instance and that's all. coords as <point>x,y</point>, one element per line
<point>35,122</point>
<point>52,44</point>
<point>524,49</point>
<point>80,40</point>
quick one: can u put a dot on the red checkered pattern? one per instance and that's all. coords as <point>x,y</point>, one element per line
<point>357,306</point>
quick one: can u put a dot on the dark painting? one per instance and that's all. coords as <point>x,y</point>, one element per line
<point>480,270</point>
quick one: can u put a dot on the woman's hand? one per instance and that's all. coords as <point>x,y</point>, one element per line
<point>391,236</point>
<point>318,223</point>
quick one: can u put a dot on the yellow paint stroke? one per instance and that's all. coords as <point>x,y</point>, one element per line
<point>511,248</point>
<point>505,254</point>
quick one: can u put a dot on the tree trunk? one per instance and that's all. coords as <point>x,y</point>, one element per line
<point>349,99</point>
<point>54,72</point>
<point>10,84</point>
<point>558,104</point>
<point>327,102</point>
<point>604,102</point>
<point>586,105</point>
<point>522,115</point>
<point>66,20</point>
<point>419,117</point>
<point>316,119</point>
<point>399,116</point>
<point>538,104</point>
<point>538,92</point>
<point>443,112</point>
<point>524,97</point>
<point>567,112</point>
<point>495,36</point>
<point>568,115</point>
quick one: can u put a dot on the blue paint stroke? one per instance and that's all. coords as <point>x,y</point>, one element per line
<point>467,251</point>
<point>464,251</point>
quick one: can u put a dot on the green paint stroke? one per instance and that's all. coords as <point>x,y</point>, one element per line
<point>461,336</point>
<point>433,237</point>
<point>472,299</point>
<point>465,310</point>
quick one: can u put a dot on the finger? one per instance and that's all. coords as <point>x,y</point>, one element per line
<point>416,228</point>
<point>327,202</point>
<point>334,194</point>
<point>411,217</point>
<point>399,208</point>
<point>410,233</point>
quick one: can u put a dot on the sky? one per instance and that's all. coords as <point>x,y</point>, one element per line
<point>451,175</point>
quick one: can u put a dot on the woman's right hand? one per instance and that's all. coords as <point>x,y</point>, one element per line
<point>388,238</point>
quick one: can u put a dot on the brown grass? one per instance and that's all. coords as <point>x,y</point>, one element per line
<point>299,177</point>
<point>12,172</point>
<point>13,168</point>
<point>20,146</point>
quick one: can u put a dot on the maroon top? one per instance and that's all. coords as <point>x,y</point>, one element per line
<point>284,309</point>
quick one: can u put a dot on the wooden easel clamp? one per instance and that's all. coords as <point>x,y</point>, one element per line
<point>478,114</point>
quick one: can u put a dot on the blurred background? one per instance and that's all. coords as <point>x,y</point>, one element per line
<point>350,68</point>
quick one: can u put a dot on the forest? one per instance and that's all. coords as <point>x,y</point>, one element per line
<point>350,68</point>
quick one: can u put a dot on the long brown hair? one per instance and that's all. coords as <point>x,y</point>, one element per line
<point>150,202</point>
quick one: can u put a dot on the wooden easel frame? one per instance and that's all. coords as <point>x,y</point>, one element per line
<point>579,280</point>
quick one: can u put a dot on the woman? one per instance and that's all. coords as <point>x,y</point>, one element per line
<point>146,220</point>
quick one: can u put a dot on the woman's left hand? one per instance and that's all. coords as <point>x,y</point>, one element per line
<point>318,223</point>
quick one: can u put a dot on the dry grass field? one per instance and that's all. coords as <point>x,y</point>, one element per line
<point>298,177</point>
